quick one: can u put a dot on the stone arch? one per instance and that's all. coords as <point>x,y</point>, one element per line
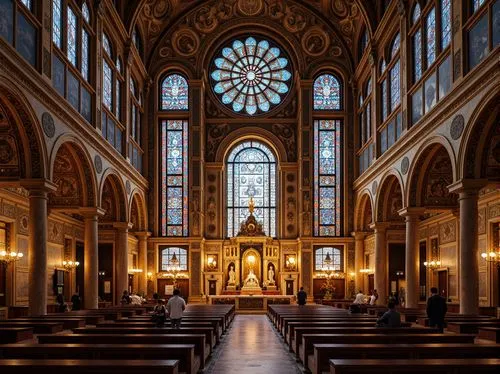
<point>389,197</point>
<point>482,133</point>
<point>137,211</point>
<point>431,173</point>
<point>23,152</point>
<point>363,212</point>
<point>252,133</point>
<point>73,172</point>
<point>112,197</point>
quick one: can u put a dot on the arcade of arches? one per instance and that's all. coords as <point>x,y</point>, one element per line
<point>263,143</point>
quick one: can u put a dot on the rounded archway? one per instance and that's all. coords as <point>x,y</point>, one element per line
<point>113,198</point>
<point>389,199</point>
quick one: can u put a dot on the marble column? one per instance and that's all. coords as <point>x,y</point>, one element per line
<point>411,255</point>
<point>359,259</point>
<point>91,258</point>
<point>143,260</point>
<point>381,262</point>
<point>37,253</point>
<point>121,259</point>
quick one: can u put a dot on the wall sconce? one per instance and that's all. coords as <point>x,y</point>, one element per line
<point>134,271</point>
<point>8,257</point>
<point>400,274</point>
<point>150,275</point>
<point>432,264</point>
<point>70,265</point>
<point>290,262</point>
<point>366,271</point>
<point>102,273</point>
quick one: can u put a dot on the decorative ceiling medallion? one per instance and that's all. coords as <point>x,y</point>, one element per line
<point>98,164</point>
<point>252,76</point>
<point>48,125</point>
<point>457,127</point>
<point>185,42</point>
<point>374,188</point>
<point>315,41</point>
<point>405,164</point>
<point>250,7</point>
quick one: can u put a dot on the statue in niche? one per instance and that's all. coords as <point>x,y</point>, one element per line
<point>251,280</point>
<point>270,275</point>
<point>232,276</point>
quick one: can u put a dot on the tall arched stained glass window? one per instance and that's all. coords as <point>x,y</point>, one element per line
<point>327,93</point>
<point>251,76</point>
<point>326,177</point>
<point>174,93</point>
<point>430,24</point>
<point>181,254</point>
<point>335,256</point>
<point>251,173</point>
<point>445,23</point>
<point>174,178</point>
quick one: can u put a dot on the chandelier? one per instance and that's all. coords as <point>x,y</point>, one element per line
<point>134,271</point>
<point>328,268</point>
<point>493,257</point>
<point>434,264</point>
<point>8,257</point>
<point>70,265</point>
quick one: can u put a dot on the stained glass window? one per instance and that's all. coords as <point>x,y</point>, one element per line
<point>86,12</point>
<point>118,98</point>
<point>431,37</point>
<point>27,3</point>
<point>445,23</point>
<point>335,255</point>
<point>107,80</point>
<point>180,254</point>
<point>251,76</point>
<point>57,22</point>
<point>395,45</point>
<point>417,56</point>
<point>326,94</point>
<point>174,178</point>
<point>369,87</point>
<point>416,13</point>
<point>363,42</point>
<point>118,65</point>
<point>382,66</point>
<point>106,45</point>
<point>327,177</point>
<point>251,173</point>
<point>395,86</point>
<point>477,3</point>
<point>383,100</point>
<point>85,55</point>
<point>71,38</point>
<point>174,93</point>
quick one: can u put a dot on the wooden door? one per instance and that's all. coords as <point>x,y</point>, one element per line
<point>212,287</point>
<point>80,250</point>
<point>289,287</point>
<point>371,283</point>
<point>130,283</point>
<point>443,283</point>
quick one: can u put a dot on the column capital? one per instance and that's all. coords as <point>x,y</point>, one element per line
<point>379,226</point>
<point>122,226</point>
<point>359,235</point>
<point>35,186</point>
<point>469,186</point>
<point>411,212</point>
<point>90,212</point>
<point>142,234</point>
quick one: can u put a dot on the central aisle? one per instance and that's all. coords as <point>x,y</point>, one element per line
<point>252,346</point>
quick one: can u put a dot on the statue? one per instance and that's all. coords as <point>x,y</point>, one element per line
<point>251,280</point>
<point>270,275</point>
<point>232,276</point>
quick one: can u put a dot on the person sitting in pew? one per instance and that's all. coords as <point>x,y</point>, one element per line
<point>61,305</point>
<point>374,297</point>
<point>391,318</point>
<point>360,299</point>
<point>76,301</point>
<point>159,313</point>
<point>125,298</point>
<point>301,296</point>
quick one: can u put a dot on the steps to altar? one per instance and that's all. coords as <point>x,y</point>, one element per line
<point>255,304</point>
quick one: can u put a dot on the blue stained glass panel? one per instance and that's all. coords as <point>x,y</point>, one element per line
<point>477,3</point>
<point>174,93</point>
<point>73,90</point>
<point>444,73</point>
<point>86,109</point>
<point>478,41</point>
<point>430,92</point>
<point>58,76</point>
<point>71,36</point>
<point>27,3</point>
<point>445,23</point>
<point>7,20</point>
<point>416,13</point>
<point>383,100</point>
<point>251,76</point>
<point>416,106</point>
<point>395,86</point>
<point>174,178</point>
<point>106,45</point>
<point>417,56</point>
<point>495,16</point>
<point>57,22</point>
<point>327,177</point>
<point>180,253</point>
<point>26,39</point>
<point>251,172</point>
<point>107,90</point>
<point>118,99</point>
<point>86,12</point>
<point>395,45</point>
<point>326,93</point>
<point>85,55</point>
<point>430,25</point>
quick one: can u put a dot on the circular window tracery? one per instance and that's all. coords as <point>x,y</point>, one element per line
<point>251,76</point>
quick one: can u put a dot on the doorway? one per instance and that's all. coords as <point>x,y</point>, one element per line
<point>371,282</point>
<point>443,283</point>
<point>80,257</point>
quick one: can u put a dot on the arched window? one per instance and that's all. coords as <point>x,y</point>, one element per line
<point>333,257</point>
<point>174,93</point>
<point>416,13</point>
<point>363,42</point>
<point>136,38</point>
<point>327,93</point>
<point>136,110</point>
<point>365,129</point>
<point>112,82</point>
<point>476,4</point>
<point>251,75</point>
<point>251,173</point>
<point>395,78</point>
<point>169,253</point>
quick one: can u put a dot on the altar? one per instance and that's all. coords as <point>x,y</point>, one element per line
<point>251,303</point>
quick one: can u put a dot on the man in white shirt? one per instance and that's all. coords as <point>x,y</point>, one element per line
<point>360,298</point>
<point>175,307</point>
<point>373,297</point>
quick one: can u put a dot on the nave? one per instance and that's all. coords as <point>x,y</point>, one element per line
<point>251,345</point>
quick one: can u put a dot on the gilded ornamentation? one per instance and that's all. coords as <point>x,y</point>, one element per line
<point>494,211</point>
<point>315,41</point>
<point>250,7</point>
<point>185,42</point>
<point>447,232</point>
<point>481,221</point>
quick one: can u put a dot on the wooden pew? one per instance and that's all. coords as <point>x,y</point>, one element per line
<point>490,333</point>
<point>15,334</point>
<point>38,327</point>
<point>308,340</point>
<point>469,327</point>
<point>208,331</point>
<point>68,323</point>
<point>201,349</point>
<point>287,320</point>
<point>217,322</point>
<point>445,366</point>
<point>319,361</point>
<point>184,353</point>
<point>18,366</point>
<point>424,321</point>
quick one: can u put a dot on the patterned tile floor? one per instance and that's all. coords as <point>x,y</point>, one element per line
<point>252,345</point>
